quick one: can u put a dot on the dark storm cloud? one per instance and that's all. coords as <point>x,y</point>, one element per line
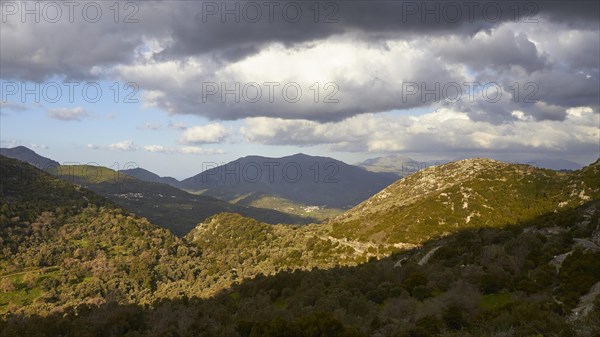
<point>445,35</point>
<point>500,52</point>
<point>202,28</point>
<point>582,14</point>
<point>74,45</point>
<point>38,50</point>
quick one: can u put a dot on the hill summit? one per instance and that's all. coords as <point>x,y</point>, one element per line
<point>300,178</point>
<point>467,193</point>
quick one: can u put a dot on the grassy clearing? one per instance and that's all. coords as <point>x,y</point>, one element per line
<point>495,301</point>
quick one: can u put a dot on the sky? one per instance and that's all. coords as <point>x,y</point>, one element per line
<point>171,86</point>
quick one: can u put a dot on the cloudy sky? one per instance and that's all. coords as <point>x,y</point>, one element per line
<point>169,85</point>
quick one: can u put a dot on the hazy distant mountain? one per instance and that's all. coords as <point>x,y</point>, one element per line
<point>403,165</point>
<point>553,164</point>
<point>299,178</point>
<point>145,175</point>
<point>398,164</point>
<point>29,156</point>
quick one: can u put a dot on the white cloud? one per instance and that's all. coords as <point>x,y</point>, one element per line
<point>38,147</point>
<point>204,134</point>
<point>161,72</point>
<point>182,150</point>
<point>8,105</point>
<point>438,131</point>
<point>584,114</point>
<point>126,145</point>
<point>177,126</point>
<point>10,143</point>
<point>520,115</point>
<point>68,114</point>
<point>198,150</point>
<point>157,148</point>
<point>150,126</point>
<point>371,76</point>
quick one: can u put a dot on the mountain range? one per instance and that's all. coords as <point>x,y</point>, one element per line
<point>306,188</point>
<point>476,246</point>
<point>299,180</point>
<point>295,189</point>
<point>162,204</point>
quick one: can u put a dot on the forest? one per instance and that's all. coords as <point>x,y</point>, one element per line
<point>75,264</point>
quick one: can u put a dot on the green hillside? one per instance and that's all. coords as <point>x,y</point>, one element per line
<point>63,245</point>
<point>74,264</point>
<point>470,193</point>
<point>479,282</point>
<point>163,204</point>
<point>241,248</point>
<point>259,200</point>
<point>27,192</point>
<point>90,174</point>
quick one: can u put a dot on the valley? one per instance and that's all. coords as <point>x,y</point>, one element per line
<point>91,259</point>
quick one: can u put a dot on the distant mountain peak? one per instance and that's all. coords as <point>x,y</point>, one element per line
<point>398,164</point>
<point>149,176</point>
<point>22,148</point>
<point>394,157</point>
<point>297,156</point>
<point>300,178</point>
<point>27,155</point>
<point>304,156</point>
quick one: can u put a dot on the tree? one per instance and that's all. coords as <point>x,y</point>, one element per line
<point>6,285</point>
<point>455,317</point>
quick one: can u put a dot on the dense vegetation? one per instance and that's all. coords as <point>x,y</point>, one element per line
<point>74,264</point>
<point>62,245</point>
<point>468,193</point>
<point>490,282</point>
